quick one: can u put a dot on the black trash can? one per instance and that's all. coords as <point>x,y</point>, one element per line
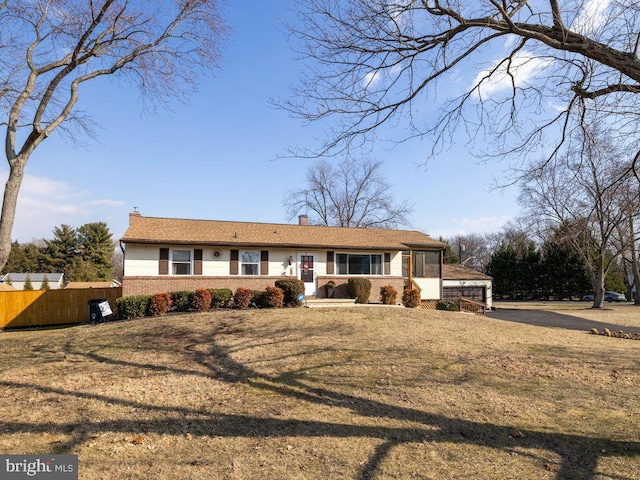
<point>95,314</point>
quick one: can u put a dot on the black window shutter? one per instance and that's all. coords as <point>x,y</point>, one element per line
<point>330,263</point>
<point>233,268</point>
<point>264,262</point>
<point>197,261</point>
<point>163,267</point>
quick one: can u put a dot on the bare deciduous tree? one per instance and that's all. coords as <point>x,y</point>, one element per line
<point>351,193</point>
<point>51,47</point>
<point>579,196</point>
<point>628,236</point>
<point>537,67</point>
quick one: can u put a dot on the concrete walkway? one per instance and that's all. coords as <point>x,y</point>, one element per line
<point>543,318</point>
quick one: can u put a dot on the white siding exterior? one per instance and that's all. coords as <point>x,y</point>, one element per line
<point>143,260</point>
<point>430,288</point>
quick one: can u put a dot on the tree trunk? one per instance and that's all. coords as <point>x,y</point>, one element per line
<point>635,268</point>
<point>598,298</point>
<point>636,279</point>
<point>9,203</point>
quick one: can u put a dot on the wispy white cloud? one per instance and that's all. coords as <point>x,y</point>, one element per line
<point>469,225</point>
<point>107,202</point>
<point>371,79</point>
<point>523,67</point>
<point>591,17</point>
<point>45,203</point>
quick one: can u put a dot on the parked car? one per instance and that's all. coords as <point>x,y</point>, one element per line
<point>608,296</point>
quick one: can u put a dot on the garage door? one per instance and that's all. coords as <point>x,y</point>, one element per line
<point>452,294</point>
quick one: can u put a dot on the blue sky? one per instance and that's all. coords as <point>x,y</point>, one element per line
<point>216,157</point>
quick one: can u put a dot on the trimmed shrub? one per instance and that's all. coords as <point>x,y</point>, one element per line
<point>273,297</point>
<point>388,295</point>
<point>257,299</point>
<point>411,298</point>
<point>182,300</point>
<point>242,298</point>
<point>291,288</point>
<point>202,300</point>
<point>221,297</point>
<point>134,306</point>
<point>159,304</point>
<point>360,289</point>
<point>449,306</point>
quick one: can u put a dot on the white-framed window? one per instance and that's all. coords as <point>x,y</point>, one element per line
<point>358,264</point>
<point>249,262</point>
<point>180,262</point>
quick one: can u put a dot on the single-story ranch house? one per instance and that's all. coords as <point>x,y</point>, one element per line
<point>170,254</point>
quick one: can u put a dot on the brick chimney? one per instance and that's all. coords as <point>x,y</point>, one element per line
<point>133,215</point>
<point>303,220</point>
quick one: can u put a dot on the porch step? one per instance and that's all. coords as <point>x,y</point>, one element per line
<point>341,302</point>
<point>329,302</point>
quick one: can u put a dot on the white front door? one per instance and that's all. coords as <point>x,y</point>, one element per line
<point>307,272</point>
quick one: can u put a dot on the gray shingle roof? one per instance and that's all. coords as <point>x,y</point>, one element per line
<point>34,277</point>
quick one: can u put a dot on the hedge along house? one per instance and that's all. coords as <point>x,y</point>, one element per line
<point>170,254</point>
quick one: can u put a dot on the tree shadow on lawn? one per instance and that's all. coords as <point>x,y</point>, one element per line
<point>543,318</point>
<point>579,454</point>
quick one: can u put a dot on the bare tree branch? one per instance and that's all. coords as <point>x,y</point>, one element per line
<point>374,63</point>
<point>350,194</point>
<point>584,197</point>
<point>57,45</point>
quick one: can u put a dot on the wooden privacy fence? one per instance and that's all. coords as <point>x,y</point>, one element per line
<point>51,307</point>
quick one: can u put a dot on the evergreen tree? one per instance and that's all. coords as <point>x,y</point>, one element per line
<point>24,258</point>
<point>45,283</point>
<point>81,270</point>
<point>614,280</point>
<point>503,268</point>
<point>27,283</point>
<point>96,248</point>
<point>515,268</point>
<point>564,273</point>
<point>61,250</point>
<point>449,256</point>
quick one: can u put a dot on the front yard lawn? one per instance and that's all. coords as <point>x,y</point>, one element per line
<point>361,393</point>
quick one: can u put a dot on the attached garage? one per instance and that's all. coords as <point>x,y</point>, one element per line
<point>460,281</point>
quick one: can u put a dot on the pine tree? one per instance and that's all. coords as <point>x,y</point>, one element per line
<point>27,257</point>
<point>27,283</point>
<point>96,248</point>
<point>61,250</point>
<point>45,283</point>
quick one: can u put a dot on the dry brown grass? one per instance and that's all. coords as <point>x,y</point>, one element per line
<point>358,393</point>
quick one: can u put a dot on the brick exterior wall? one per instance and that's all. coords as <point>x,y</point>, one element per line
<point>376,282</point>
<point>159,284</point>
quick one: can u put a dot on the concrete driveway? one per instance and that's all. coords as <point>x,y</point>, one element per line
<point>543,318</point>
